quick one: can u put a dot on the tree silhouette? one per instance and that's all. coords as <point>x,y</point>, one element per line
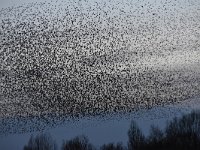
<point>78,143</point>
<point>155,139</point>
<point>183,133</point>
<point>180,134</point>
<point>41,142</point>
<point>136,138</point>
<point>112,146</point>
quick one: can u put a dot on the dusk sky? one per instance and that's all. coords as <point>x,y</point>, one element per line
<point>133,58</point>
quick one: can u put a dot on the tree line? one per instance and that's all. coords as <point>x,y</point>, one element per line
<point>179,134</point>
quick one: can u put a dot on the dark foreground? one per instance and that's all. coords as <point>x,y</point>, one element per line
<point>180,133</point>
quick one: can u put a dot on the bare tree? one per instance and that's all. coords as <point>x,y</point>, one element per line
<point>136,137</point>
<point>78,143</point>
<point>41,142</point>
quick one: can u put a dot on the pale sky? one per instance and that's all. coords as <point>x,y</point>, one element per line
<point>8,3</point>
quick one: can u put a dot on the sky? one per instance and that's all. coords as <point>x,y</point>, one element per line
<point>8,3</point>
<point>100,130</point>
<point>177,59</point>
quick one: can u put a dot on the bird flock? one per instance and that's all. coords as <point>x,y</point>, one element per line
<point>84,57</point>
